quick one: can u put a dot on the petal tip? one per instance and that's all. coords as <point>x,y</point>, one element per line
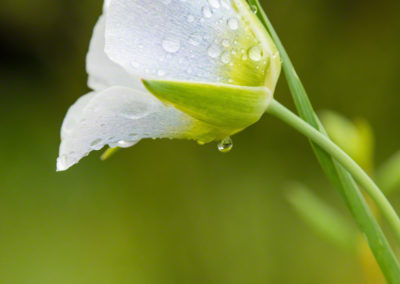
<point>63,164</point>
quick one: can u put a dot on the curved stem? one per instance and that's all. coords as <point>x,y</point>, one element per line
<point>337,174</point>
<point>357,172</point>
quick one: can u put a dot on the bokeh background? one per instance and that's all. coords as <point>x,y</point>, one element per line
<point>172,211</point>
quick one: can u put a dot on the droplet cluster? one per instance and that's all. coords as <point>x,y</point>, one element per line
<point>228,43</point>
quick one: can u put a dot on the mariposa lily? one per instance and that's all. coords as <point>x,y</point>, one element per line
<point>201,70</point>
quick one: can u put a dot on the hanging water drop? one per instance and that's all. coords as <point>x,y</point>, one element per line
<point>125,144</point>
<point>225,145</point>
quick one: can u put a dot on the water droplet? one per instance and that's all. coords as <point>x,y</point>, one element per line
<point>135,64</point>
<point>161,73</point>
<point>254,9</point>
<point>171,45</point>
<point>233,23</point>
<point>226,57</point>
<point>226,43</point>
<point>226,4</point>
<point>195,39</point>
<point>207,12</point>
<point>255,53</point>
<point>190,19</point>
<point>225,145</point>
<point>214,50</point>
<point>135,110</point>
<point>125,144</point>
<point>96,144</point>
<point>214,3</point>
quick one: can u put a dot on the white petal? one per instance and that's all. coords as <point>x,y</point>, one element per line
<point>117,116</point>
<point>106,4</point>
<point>103,72</point>
<point>193,40</point>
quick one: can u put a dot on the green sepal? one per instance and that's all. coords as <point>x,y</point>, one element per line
<point>223,106</point>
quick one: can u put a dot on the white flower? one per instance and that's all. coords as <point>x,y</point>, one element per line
<point>217,43</point>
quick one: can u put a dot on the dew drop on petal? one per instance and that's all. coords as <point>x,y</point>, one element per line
<point>226,43</point>
<point>225,145</point>
<point>171,45</point>
<point>255,53</point>
<point>190,19</point>
<point>125,144</point>
<point>233,23</point>
<point>96,144</point>
<point>214,3</point>
<point>195,39</point>
<point>135,110</point>
<point>226,57</point>
<point>207,12</point>
<point>226,4</point>
<point>214,51</point>
<point>161,73</point>
<point>135,64</point>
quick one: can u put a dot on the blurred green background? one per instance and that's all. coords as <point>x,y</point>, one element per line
<point>172,211</point>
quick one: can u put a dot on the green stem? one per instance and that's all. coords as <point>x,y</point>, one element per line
<point>325,143</point>
<point>342,179</point>
<point>390,264</point>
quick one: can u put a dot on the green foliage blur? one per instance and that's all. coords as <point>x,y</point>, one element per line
<point>173,211</point>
